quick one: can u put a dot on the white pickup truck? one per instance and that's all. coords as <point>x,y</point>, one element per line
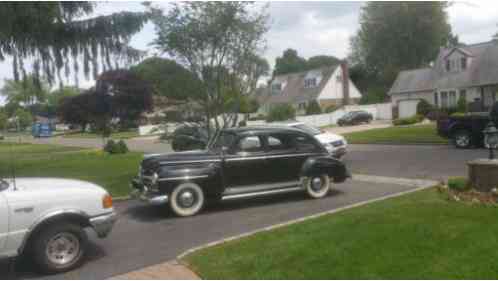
<point>47,217</point>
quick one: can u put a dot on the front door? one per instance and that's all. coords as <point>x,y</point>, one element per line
<point>244,164</point>
<point>4,220</point>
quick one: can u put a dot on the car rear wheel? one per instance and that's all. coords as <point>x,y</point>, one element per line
<point>462,139</point>
<point>187,199</point>
<point>317,186</point>
<point>59,247</point>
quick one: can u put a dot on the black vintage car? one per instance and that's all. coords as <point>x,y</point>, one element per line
<point>240,162</point>
<point>355,118</point>
<point>189,137</point>
<point>465,131</point>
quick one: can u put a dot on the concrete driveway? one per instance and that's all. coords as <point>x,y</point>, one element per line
<point>146,235</point>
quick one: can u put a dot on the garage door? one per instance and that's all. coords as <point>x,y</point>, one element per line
<point>407,108</point>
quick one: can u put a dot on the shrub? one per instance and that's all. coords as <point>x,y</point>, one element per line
<point>458,183</point>
<point>408,121</point>
<point>331,108</point>
<point>122,148</point>
<point>113,147</point>
<point>424,107</point>
<point>313,108</point>
<point>281,112</point>
<point>458,114</point>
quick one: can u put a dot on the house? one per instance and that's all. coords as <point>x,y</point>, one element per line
<point>324,85</point>
<point>466,71</point>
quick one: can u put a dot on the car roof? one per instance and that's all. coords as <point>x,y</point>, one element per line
<point>262,129</point>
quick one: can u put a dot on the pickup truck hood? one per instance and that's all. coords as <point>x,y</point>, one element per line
<point>184,156</point>
<point>55,185</point>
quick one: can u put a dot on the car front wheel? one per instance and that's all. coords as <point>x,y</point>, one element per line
<point>462,139</point>
<point>59,247</point>
<point>317,186</point>
<point>187,199</point>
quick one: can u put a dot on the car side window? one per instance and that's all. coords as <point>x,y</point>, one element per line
<point>305,144</point>
<point>279,142</point>
<point>249,144</point>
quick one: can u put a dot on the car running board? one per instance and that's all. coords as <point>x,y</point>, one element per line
<point>262,193</point>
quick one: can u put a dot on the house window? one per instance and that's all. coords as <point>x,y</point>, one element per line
<point>444,99</point>
<point>463,94</point>
<point>452,99</point>
<point>276,87</point>
<point>436,99</point>
<point>301,106</point>
<point>463,63</point>
<point>310,82</point>
<point>448,65</point>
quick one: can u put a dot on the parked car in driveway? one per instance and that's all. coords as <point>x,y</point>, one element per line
<point>240,162</point>
<point>355,118</point>
<point>189,137</point>
<point>465,131</point>
<point>46,219</point>
<point>336,145</point>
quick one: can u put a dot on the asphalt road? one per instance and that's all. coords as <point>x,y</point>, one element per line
<point>146,235</point>
<point>437,162</point>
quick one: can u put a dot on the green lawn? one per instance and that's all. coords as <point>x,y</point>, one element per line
<point>398,135</point>
<point>113,172</point>
<point>117,135</point>
<point>416,236</point>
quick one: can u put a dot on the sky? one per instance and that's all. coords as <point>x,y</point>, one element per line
<point>313,28</point>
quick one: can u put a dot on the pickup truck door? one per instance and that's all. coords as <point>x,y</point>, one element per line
<point>4,221</point>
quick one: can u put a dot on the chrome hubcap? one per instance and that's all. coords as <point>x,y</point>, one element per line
<point>187,199</point>
<point>63,248</point>
<point>316,184</point>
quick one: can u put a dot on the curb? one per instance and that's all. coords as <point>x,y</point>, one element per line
<point>419,183</point>
<point>400,143</point>
<point>121,198</point>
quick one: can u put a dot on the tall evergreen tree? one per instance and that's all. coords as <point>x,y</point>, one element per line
<point>56,36</point>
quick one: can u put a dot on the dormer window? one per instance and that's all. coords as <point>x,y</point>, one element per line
<point>310,82</point>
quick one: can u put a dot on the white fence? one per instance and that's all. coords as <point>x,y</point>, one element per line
<point>380,111</point>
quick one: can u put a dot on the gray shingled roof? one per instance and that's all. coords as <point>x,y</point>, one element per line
<point>294,91</point>
<point>482,71</point>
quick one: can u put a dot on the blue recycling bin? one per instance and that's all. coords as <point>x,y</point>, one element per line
<point>41,130</point>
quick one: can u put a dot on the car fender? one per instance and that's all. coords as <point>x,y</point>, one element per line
<point>331,166</point>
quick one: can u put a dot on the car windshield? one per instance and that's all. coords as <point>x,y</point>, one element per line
<point>308,129</point>
<point>224,139</point>
<point>3,184</point>
<point>349,114</point>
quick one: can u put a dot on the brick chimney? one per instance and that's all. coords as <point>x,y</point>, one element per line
<point>345,82</point>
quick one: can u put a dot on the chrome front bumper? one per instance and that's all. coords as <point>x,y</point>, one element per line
<point>103,224</point>
<point>142,193</point>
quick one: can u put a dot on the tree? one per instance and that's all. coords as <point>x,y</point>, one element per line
<point>281,112</point>
<point>289,62</point>
<point>168,78</point>
<point>55,98</point>
<point>313,108</point>
<point>217,42</point>
<point>321,61</point>
<point>55,36</point>
<point>25,92</point>
<point>394,36</point>
<point>23,119</point>
<point>78,110</point>
<point>3,120</point>
<point>124,95</point>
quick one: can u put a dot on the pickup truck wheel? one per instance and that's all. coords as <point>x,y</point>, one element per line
<point>59,247</point>
<point>462,139</point>
<point>187,199</point>
<point>317,186</point>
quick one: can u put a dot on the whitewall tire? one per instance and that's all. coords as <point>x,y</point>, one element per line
<point>317,186</point>
<point>187,199</point>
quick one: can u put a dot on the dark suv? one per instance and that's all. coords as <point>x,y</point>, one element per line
<point>355,118</point>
